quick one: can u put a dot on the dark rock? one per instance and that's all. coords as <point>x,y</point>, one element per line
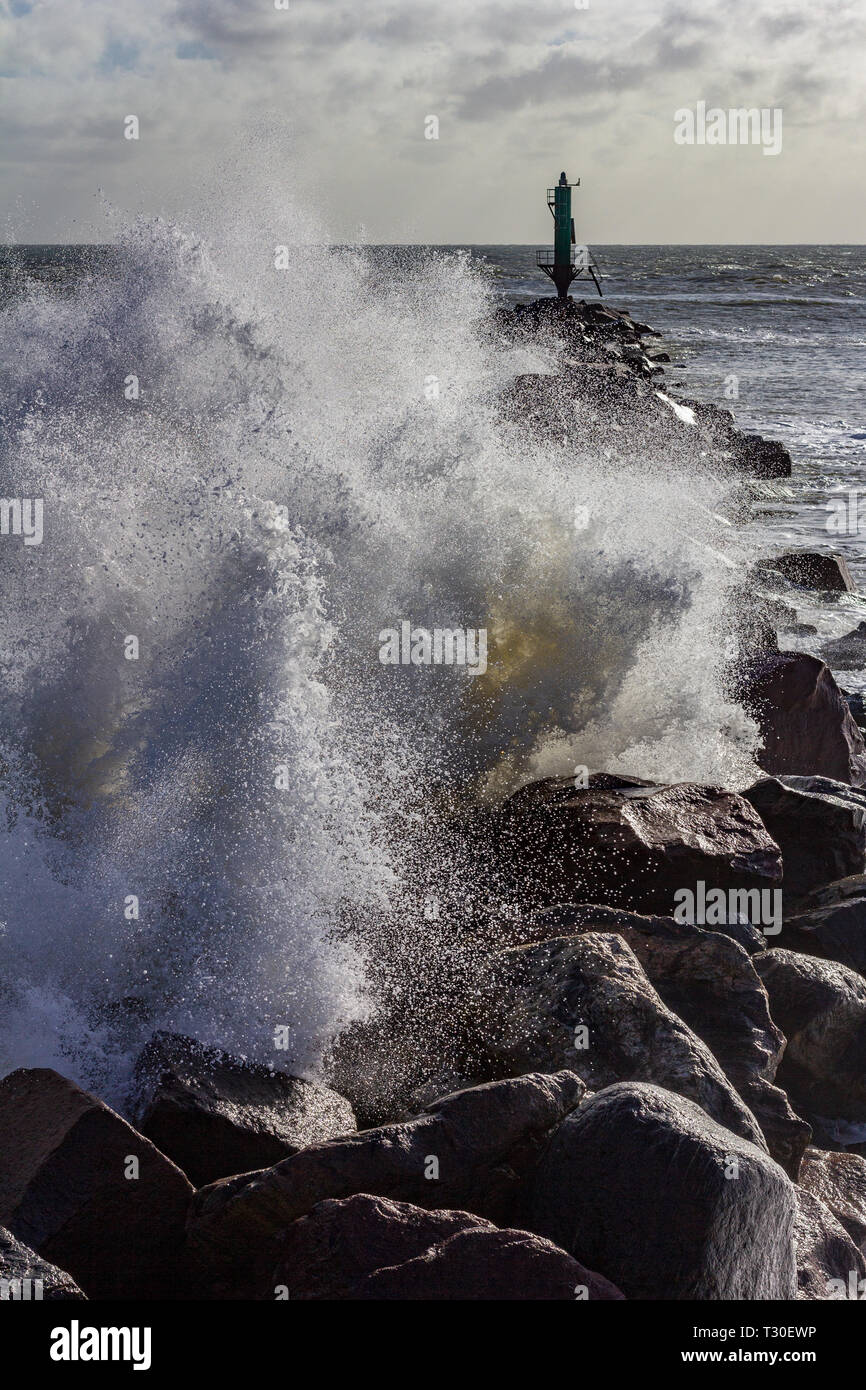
<point>847,653</point>
<point>325,1254</point>
<point>763,458</point>
<point>814,571</point>
<point>832,933</point>
<point>64,1190</point>
<point>833,894</point>
<point>710,983</point>
<point>25,1276</point>
<point>482,1142</point>
<point>365,1247</point>
<point>544,993</point>
<point>819,825</point>
<point>490,1264</point>
<point>567,919</point>
<point>805,723</point>
<point>857,707</point>
<point>215,1115</point>
<point>839,1179</point>
<point>635,1182</point>
<point>829,1265</point>
<point>627,843</point>
<point>821,1008</point>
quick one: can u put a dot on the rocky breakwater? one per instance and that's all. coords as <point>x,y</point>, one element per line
<point>607,380</point>
<point>658,1084</point>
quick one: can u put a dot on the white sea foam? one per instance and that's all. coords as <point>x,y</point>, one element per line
<point>288,484</point>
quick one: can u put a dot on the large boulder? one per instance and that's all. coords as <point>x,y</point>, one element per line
<point>839,1180</point>
<point>489,1264</point>
<point>805,723</point>
<point>86,1191</point>
<point>847,653</point>
<point>831,922</point>
<point>819,825</point>
<point>370,1247</point>
<point>469,1151</point>
<point>643,1185</point>
<point>26,1276</point>
<point>631,844</point>
<point>326,1254</point>
<point>821,1008</point>
<point>833,933</point>
<point>709,982</point>
<point>215,1115</point>
<point>812,570</point>
<point>584,1002</point>
<point>829,1265</point>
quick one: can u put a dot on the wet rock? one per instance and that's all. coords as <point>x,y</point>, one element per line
<point>832,933</point>
<point>69,1189</point>
<point>833,894</point>
<point>804,720</point>
<point>469,1151</point>
<point>821,1008</point>
<point>709,982</point>
<point>670,1205</point>
<point>818,823</point>
<point>25,1276</point>
<point>584,1002</point>
<point>829,1265</point>
<point>847,653</point>
<point>857,706</point>
<point>365,1247</point>
<point>628,843</point>
<point>327,1253</point>
<point>839,1180</point>
<point>568,919</point>
<point>490,1264</point>
<point>814,571</point>
<point>215,1115</point>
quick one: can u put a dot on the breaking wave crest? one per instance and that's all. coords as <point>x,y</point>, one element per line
<point>200,837</point>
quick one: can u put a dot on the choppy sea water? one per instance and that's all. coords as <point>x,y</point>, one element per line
<point>777,335</point>
<point>313,454</point>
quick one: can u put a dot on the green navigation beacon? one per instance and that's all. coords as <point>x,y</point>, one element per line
<point>567,262</point>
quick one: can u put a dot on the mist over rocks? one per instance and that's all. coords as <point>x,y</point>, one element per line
<point>585,1002</point>
<point>213,1114</point>
<point>606,377</point>
<point>708,981</point>
<point>489,1172</point>
<point>624,842</point>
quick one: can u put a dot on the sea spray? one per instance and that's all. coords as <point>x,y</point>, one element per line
<point>285,485</point>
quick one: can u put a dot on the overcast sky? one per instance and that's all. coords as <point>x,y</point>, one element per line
<point>239,101</point>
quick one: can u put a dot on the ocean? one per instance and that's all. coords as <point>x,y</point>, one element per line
<point>218,827</point>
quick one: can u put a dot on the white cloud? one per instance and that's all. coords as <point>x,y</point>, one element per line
<point>238,100</point>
